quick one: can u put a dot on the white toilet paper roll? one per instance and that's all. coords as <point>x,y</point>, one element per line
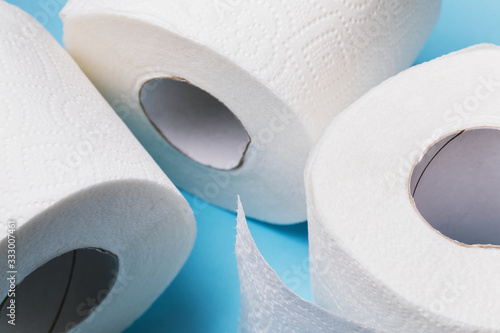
<point>434,126</point>
<point>403,229</point>
<point>229,95</point>
<point>91,229</point>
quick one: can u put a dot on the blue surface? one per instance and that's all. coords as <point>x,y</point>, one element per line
<point>205,295</point>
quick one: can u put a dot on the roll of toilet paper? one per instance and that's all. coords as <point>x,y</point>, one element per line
<point>403,230</point>
<point>92,231</point>
<point>229,95</point>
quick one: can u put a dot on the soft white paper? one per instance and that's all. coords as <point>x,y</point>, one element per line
<point>373,258</point>
<point>268,305</point>
<point>72,176</point>
<point>285,68</point>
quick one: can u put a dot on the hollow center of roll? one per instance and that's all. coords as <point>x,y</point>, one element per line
<point>195,123</point>
<point>456,186</point>
<point>60,294</point>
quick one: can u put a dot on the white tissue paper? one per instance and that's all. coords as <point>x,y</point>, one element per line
<point>229,95</point>
<point>267,305</point>
<point>403,229</point>
<point>92,228</point>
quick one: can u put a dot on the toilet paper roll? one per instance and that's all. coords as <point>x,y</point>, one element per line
<point>229,95</point>
<point>403,229</point>
<point>92,231</point>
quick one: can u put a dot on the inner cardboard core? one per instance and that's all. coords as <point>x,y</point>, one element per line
<point>62,293</point>
<point>456,186</point>
<point>195,122</point>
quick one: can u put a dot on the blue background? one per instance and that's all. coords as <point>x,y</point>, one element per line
<point>205,295</point>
